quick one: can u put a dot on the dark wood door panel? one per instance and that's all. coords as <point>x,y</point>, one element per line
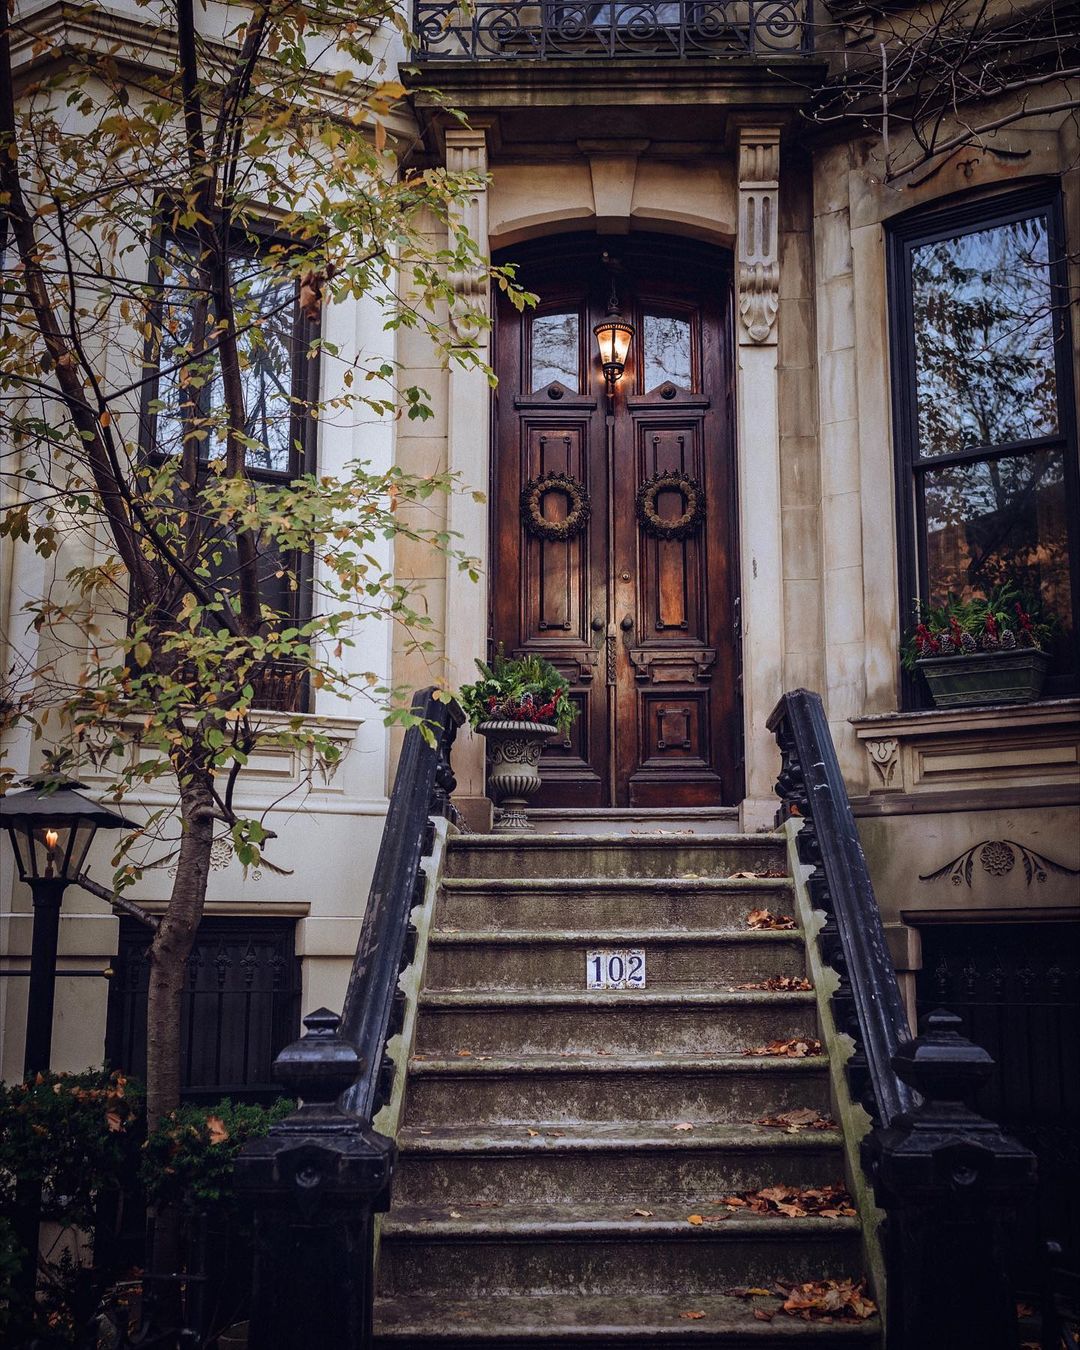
<point>642,626</point>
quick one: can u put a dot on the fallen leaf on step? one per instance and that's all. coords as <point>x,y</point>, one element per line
<point>683,1125</point>
<point>751,1291</point>
<point>464,1054</point>
<point>798,1047</point>
<point>826,1299</point>
<point>533,1134</point>
<point>744,876</point>
<point>695,1219</point>
<point>827,1202</point>
<point>763,1315</point>
<point>781,984</point>
<point>690,876</point>
<point>801,1118</point>
<point>692,1316</point>
<point>765,919</point>
<point>642,1214</point>
<point>454,1214</point>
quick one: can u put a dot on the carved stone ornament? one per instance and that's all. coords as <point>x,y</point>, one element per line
<point>885,757</point>
<point>532,502</point>
<point>682,526</point>
<point>758,246</point>
<point>997,858</point>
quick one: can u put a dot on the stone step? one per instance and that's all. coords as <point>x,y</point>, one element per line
<point>635,819</point>
<point>567,1089</point>
<point>666,1021</point>
<point>610,1163</point>
<point>604,1250</point>
<point>601,902</point>
<point>545,959</point>
<point>553,1322</point>
<point>608,855</point>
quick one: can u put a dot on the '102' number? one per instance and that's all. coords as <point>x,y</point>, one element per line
<point>615,969</point>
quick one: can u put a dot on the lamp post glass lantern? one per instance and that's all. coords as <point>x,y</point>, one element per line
<point>51,826</point>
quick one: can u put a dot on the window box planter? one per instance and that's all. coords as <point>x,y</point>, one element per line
<point>1014,676</point>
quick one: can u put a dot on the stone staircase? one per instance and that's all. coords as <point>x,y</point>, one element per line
<point>547,1177</point>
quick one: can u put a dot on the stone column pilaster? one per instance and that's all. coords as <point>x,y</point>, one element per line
<point>758,437</point>
<point>469,456</point>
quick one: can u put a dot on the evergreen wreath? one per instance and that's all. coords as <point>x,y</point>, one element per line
<point>684,525</point>
<point>532,498</point>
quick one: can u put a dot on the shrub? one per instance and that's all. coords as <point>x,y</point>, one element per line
<point>518,689</point>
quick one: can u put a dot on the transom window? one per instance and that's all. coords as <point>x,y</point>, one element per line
<point>983,409</point>
<point>555,349</point>
<point>666,350</point>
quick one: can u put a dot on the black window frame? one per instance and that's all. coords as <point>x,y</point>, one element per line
<point>904,235</point>
<point>282,692</point>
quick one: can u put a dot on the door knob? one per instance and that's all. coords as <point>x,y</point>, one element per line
<point>627,624</point>
<point>597,625</point>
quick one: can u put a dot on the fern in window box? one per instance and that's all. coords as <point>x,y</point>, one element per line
<point>980,650</point>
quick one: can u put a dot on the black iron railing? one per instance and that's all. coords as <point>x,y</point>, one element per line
<point>867,1005</point>
<point>319,1177</point>
<point>515,30</point>
<point>950,1180</point>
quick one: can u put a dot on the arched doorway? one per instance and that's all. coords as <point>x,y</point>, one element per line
<point>636,602</point>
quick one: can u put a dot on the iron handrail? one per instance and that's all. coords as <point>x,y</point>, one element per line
<point>867,1004</point>
<point>422,787</point>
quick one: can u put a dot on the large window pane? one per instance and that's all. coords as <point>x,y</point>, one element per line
<point>984,340</point>
<point>555,350</point>
<point>265,315</point>
<point>666,344</point>
<point>1001,520</point>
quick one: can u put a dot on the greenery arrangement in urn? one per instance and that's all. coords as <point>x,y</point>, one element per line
<point>984,649</point>
<point>517,705</point>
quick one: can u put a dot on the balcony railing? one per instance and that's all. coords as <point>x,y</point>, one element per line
<point>515,30</point>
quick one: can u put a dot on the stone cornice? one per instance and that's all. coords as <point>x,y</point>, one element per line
<point>46,36</point>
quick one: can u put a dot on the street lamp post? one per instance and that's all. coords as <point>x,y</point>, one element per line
<point>51,826</point>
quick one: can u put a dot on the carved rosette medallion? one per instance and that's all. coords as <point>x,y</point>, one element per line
<point>997,858</point>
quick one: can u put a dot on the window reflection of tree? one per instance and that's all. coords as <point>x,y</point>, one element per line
<point>984,344</point>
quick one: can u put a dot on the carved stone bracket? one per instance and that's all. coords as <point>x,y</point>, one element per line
<point>885,757</point>
<point>466,152</point>
<point>758,243</point>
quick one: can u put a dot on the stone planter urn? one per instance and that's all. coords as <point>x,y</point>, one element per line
<point>1013,676</point>
<point>514,773</point>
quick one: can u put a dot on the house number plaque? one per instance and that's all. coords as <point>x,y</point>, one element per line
<point>615,969</point>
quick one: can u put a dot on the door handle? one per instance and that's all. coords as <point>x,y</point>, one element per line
<point>627,623</point>
<point>597,625</point>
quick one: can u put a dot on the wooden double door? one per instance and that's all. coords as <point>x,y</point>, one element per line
<point>614,548</point>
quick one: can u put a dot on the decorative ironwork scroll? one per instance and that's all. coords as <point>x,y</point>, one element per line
<point>515,30</point>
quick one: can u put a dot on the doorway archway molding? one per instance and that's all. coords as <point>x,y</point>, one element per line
<point>757,431</point>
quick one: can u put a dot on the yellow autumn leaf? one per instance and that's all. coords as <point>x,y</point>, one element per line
<point>216,1126</point>
<point>695,1219</point>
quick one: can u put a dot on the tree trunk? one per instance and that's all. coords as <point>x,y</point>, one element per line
<point>171,946</point>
